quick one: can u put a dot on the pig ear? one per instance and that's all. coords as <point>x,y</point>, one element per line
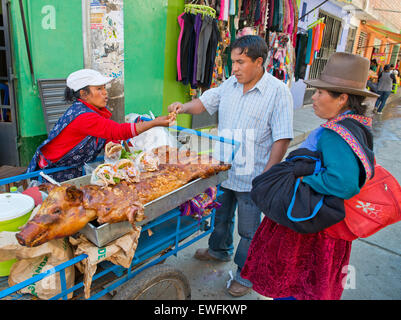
<point>74,194</point>
<point>47,187</point>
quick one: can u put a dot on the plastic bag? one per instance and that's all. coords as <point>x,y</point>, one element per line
<point>152,138</point>
<point>90,167</point>
<point>101,176</point>
<point>112,152</point>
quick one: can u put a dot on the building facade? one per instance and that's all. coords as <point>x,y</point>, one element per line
<point>369,28</point>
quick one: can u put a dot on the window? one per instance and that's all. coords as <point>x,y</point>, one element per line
<point>362,41</point>
<point>331,37</point>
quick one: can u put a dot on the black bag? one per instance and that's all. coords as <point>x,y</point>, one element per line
<point>280,194</point>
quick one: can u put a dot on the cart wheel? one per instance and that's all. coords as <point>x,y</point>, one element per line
<point>160,282</point>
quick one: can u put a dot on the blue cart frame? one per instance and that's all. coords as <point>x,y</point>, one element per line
<point>169,232</point>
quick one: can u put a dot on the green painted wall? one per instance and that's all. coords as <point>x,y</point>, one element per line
<point>55,37</point>
<point>144,44</point>
<point>173,90</point>
<point>151,33</point>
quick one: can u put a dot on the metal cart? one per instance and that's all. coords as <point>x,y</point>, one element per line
<point>147,277</point>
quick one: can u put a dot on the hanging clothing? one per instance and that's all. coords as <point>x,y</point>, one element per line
<point>232,10</point>
<point>197,28</point>
<point>211,55</point>
<point>295,17</point>
<point>196,50</point>
<point>224,10</point>
<point>280,16</point>
<point>290,27</point>
<point>181,24</point>
<point>185,53</point>
<point>309,47</point>
<point>191,52</point>
<point>286,20</point>
<point>301,50</point>
<point>315,38</point>
<point>204,37</point>
<point>320,38</point>
<point>271,13</point>
<point>257,12</point>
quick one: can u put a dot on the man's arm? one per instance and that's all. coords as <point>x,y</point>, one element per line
<point>192,107</point>
<point>279,148</point>
<point>209,101</point>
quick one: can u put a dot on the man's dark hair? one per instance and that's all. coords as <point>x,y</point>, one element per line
<point>72,96</point>
<point>387,67</point>
<point>252,46</point>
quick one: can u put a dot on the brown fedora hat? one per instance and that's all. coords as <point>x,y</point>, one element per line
<point>345,73</point>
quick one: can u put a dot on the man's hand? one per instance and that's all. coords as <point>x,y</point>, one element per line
<point>191,107</point>
<point>176,107</point>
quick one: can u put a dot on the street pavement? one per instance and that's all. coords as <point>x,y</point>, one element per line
<point>375,263</point>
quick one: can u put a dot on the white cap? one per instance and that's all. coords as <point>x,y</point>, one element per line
<point>86,77</point>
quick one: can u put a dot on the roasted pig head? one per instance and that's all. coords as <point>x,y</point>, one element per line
<point>60,215</point>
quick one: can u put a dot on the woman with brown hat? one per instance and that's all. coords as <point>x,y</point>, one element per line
<point>284,263</point>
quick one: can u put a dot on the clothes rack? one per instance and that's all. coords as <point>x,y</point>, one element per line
<point>202,9</point>
<point>309,12</point>
<point>321,20</point>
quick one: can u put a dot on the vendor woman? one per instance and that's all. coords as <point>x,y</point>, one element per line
<point>83,130</point>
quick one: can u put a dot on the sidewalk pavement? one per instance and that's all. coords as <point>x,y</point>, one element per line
<point>305,119</point>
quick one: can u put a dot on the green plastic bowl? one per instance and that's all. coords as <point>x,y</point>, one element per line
<point>15,210</point>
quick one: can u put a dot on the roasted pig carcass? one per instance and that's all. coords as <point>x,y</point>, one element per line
<point>68,209</point>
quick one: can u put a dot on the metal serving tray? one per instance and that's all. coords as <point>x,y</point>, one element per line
<point>105,233</point>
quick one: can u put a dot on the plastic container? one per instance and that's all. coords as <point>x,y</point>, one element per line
<point>15,210</point>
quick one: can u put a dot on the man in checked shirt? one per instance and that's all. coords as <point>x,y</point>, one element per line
<point>255,109</point>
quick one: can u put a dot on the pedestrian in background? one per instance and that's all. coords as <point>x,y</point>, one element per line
<point>384,88</point>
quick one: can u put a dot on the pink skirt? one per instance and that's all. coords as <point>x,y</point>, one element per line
<point>283,263</point>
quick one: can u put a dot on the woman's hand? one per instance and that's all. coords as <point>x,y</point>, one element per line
<point>164,121</point>
<point>176,107</point>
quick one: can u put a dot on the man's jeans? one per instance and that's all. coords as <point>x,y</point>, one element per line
<point>381,101</point>
<point>221,243</point>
